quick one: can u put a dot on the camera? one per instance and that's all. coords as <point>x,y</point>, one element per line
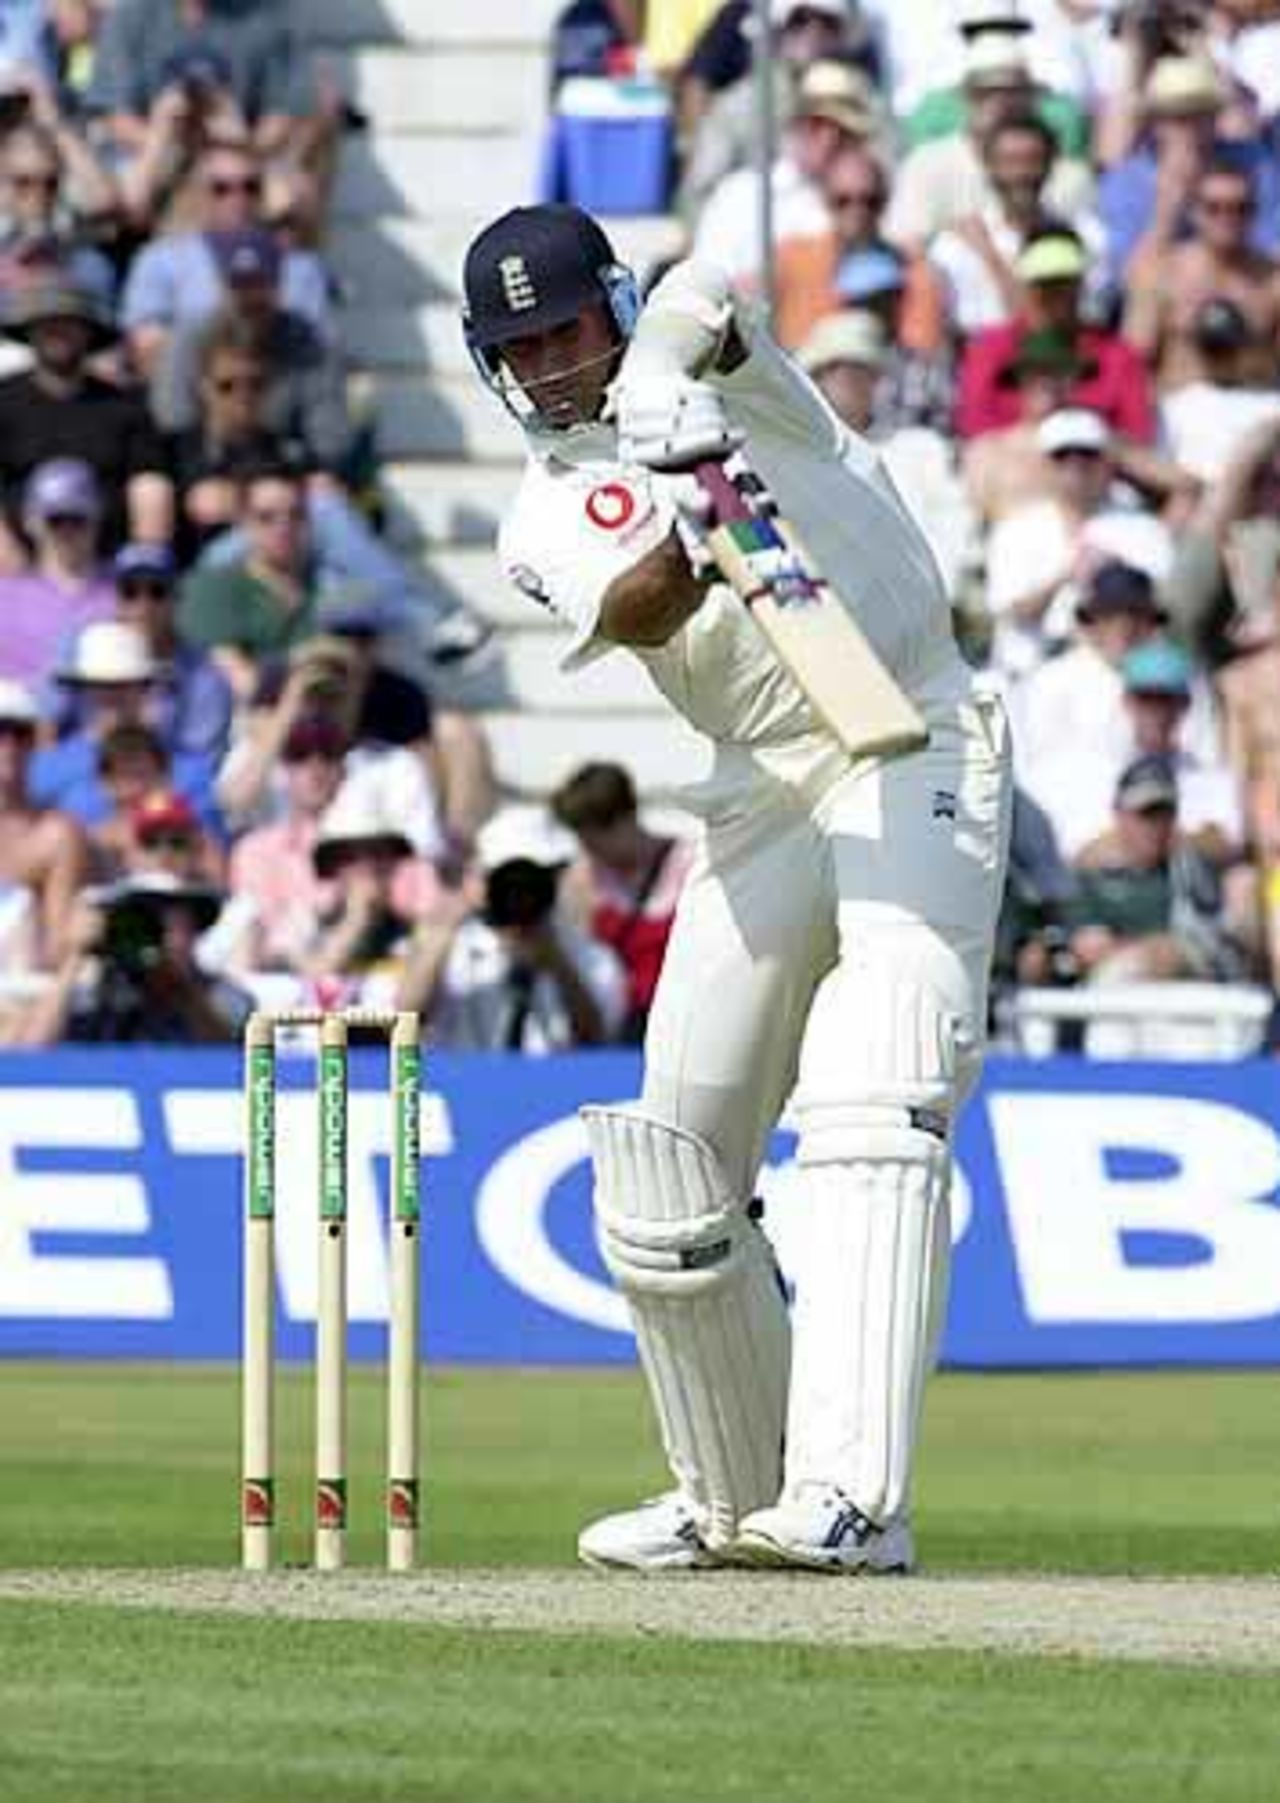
<point>519,893</point>
<point>134,935</point>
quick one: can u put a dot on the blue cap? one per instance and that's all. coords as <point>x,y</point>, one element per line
<point>865,273</point>
<point>156,562</point>
<point>62,485</point>
<point>250,254</point>
<point>1157,668</point>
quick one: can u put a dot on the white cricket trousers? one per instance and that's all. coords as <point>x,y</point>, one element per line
<point>903,859</point>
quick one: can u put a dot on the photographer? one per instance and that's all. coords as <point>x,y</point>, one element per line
<point>132,972</point>
<point>504,969</point>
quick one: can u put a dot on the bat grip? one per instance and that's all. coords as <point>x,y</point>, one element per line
<point>719,489</point>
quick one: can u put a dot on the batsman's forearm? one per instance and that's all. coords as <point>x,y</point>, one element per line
<point>652,600</point>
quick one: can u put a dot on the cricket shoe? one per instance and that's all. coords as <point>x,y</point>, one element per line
<point>816,1527</point>
<point>661,1535</point>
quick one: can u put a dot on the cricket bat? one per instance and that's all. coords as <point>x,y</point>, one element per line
<point>811,631</point>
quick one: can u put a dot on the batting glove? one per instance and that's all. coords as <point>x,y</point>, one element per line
<point>693,522</point>
<point>670,422</point>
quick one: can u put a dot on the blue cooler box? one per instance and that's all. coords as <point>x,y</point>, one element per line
<point>615,145</point>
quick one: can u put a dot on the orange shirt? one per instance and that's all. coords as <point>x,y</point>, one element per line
<point>805,291</point>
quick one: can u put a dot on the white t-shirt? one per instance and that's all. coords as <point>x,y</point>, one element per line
<point>581,518</point>
<point>1203,424</point>
<point>1075,704</point>
<point>1076,789</point>
<point>479,1008</point>
<point>1030,545</point>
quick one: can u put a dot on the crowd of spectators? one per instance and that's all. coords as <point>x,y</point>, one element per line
<point>1028,247</point>
<point>1032,249</point>
<point>233,760</point>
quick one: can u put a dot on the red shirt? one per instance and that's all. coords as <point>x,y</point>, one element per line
<point>1120,389</point>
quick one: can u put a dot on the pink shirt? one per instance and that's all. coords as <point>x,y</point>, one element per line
<point>37,618</point>
<point>272,866</point>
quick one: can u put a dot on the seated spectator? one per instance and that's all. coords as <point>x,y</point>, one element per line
<point>190,700</point>
<point>378,709</point>
<point>1148,906</point>
<point>166,838</point>
<point>848,356</point>
<point>1173,274</point>
<point>626,879</point>
<point>1205,420</point>
<point>916,386</point>
<point>179,280</point>
<point>132,764</point>
<point>133,972</point>
<point>1144,197</point>
<point>976,256</point>
<point>303,401</point>
<point>1112,380</point>
<point>1076,788</point>
<point>53,193</point>
<point>1005,469</point>
<point>1039,556</point>
<point>832,108</point>
<point>855,189</point>
<point>943,111</point>
<point>265,601</point>
<point>1077,698</point>
<point>378,891</point>
<point>64,586</point>
<point>945,180</point>
<point>273,877</point>
<point>43,851</point>
<point>345,556</point>
<point>113,671</point>
<point>60,408</point>
<point>160,64</point>
<point>805,33</point>
<point>507,970</point>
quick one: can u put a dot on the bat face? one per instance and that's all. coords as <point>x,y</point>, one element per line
<point>811,630</point>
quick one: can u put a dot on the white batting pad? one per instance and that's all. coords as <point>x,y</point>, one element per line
<point>710,1318</point>
<point>870,1298</point>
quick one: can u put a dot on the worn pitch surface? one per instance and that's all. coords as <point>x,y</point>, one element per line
<point>1183,1621</point>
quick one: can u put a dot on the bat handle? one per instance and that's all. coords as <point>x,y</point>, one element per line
<point>719,489</point>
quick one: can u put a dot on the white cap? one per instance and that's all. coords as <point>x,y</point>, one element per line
<point>108,651</point>
<point>1072,429</point>
<point>17,708</point>
<point>994,57</point>
<point>851,336</point>
<point>358,815</point>
<point>529,833</point>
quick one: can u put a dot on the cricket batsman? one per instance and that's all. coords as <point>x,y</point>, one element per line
<point>832,943</point>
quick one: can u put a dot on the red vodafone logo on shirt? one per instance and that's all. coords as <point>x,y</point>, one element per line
<point>611,506</point>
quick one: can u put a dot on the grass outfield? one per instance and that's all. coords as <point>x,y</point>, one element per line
<point>1164,1472</point>
<point>101,1465</point>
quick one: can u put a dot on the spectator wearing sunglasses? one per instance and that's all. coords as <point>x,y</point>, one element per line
<point>1171,278</point>
<point>189,699</point>
<point>178,279</point>
<point>303,399</point>
<point>51,193</point>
